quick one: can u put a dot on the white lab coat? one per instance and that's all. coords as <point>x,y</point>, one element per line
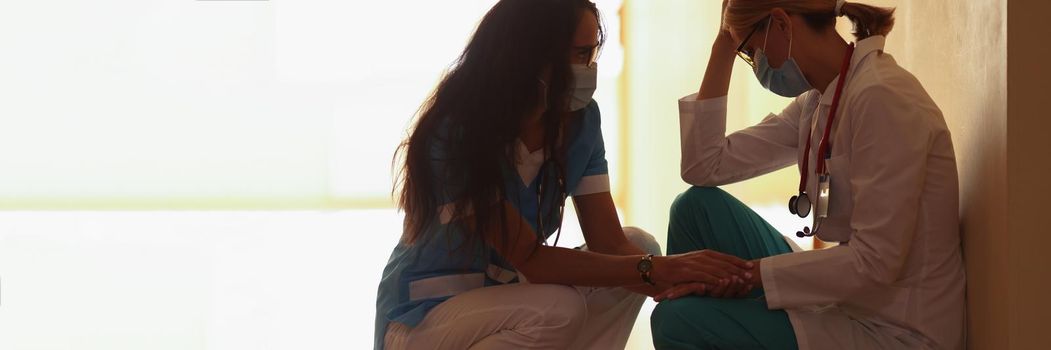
<point>897,278</point>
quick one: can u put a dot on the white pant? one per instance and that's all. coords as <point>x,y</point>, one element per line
<point>529,316</point>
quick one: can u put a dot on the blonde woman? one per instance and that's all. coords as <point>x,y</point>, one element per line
<point>878,175</point>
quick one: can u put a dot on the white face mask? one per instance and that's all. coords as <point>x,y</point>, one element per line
<point>585,81</point>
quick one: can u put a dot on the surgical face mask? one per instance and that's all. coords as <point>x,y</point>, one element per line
<point>788,80</point>
<point>585,81</point>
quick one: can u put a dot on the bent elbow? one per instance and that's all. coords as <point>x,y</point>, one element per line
<point>687,178</point>
<point>695,175</point>
<point>528,266</point>
<point>533,276</point>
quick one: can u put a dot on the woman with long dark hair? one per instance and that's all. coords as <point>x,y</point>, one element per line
<point>509,133</point>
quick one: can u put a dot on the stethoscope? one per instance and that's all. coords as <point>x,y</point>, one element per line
<point>800,204</point>
<point>560,197</point>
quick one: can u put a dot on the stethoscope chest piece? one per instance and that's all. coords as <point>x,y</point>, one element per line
<point>799,205</point>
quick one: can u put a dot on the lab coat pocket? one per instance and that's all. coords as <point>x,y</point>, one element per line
<point>836,227</point>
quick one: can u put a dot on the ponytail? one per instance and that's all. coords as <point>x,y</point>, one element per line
<point>868,20</point>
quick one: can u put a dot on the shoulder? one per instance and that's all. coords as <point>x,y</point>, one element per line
<point>592,114</point>
<point>586,123</point>
<point>881,85</point>
<point>880,76</point>
<point>893,107</point>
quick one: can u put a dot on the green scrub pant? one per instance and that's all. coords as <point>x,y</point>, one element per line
<point>710,218</point>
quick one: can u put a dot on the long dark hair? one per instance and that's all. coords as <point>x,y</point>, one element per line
<point>464,137</point>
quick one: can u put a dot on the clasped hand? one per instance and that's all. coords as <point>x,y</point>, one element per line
<point>704,272</point>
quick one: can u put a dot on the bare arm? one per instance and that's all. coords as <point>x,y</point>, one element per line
<point>716,81</point>
<point>604,234</point>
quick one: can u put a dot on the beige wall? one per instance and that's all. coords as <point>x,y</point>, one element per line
<point>958,49</point>
<point>991,93</point>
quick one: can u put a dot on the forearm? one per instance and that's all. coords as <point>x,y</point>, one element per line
<point>703,141</point>
<point>618,247</point>
<point>716,81</point>
<point>581,268</point>
<point>606,270</point>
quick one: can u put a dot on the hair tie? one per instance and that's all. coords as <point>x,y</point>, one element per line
<point>839,7</point>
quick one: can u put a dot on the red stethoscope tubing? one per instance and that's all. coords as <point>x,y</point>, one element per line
<point>825,147</point>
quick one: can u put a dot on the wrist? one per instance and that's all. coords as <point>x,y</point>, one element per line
<point>724,46</point>
<point>659,266</point>
<point>645,269</point>
<point>757,274</point>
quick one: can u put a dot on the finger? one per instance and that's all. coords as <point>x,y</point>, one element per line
<point>700,275</point>
<point>719,290</point>
<point>715,265</point>
<point>725,269</point>
<point>672,292</point>
<point>686,268</point>
<point>744,292</point>
<point>664,293</point>
<point>733,269</point>
<point>686,289</point>
<point>735,288</point>
<point>731,288</point>
<point>713,268</point>
<point>738,262</point>
<point>738,288</point>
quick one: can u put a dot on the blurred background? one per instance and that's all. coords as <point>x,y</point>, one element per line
<point>217,174</point>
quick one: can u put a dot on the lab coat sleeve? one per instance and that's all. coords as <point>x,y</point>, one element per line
<point>889,145</point>
<point>711,158</point>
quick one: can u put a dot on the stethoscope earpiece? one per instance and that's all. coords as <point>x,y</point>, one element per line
<point>804,233</point>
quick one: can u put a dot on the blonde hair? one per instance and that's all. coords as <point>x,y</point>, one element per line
<point>743,15</point>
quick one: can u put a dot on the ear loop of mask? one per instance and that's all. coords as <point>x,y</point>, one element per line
<point>766,39</point>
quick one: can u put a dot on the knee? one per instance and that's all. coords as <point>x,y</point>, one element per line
<point>676,323</point>
<point>667,318</point>
<point>667,324</point>
<point>643,240</point>
<point>566,310</point>
<point>697,198</point>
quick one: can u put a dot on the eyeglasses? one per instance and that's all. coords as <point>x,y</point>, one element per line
<point>747,56</point>
<point>591,53</point>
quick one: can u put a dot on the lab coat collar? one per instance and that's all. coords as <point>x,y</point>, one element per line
<point>862,49</point>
